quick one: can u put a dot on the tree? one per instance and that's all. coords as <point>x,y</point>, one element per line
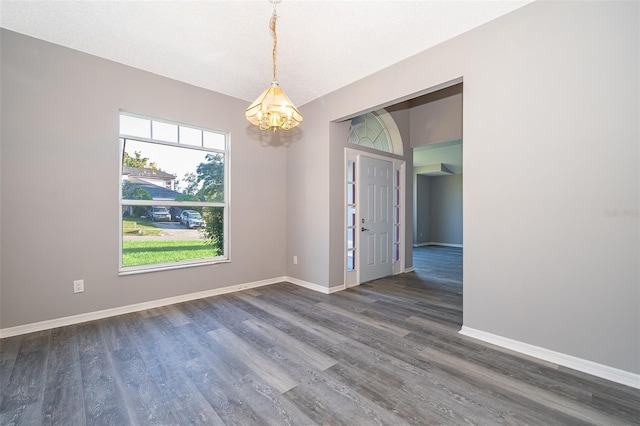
<point>211,176</point>
<point>208,185</point>
<point>187,197</point>
<point>132,192</point>
<point>138,161</point>
<point>213,229</point>
<point>191,180</point>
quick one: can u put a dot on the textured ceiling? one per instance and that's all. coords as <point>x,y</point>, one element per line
<point>225,46</point>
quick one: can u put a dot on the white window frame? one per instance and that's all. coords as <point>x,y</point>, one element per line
<point>225,205</point>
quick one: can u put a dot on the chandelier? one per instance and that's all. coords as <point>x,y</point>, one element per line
<point>273,110</point>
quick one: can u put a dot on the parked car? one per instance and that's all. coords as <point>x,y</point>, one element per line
<point>175,213</point>
<point>159,214</point>
<point>191,219</point>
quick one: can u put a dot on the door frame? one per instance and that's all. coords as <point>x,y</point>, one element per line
<point>352,278</point>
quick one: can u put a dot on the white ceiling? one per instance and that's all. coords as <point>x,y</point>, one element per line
<point>225,46</point>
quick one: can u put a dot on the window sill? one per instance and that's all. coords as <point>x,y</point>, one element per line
<point>143,269</point>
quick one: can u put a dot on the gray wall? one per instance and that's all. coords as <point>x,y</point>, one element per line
<point>421,220</point>
<point>438,117</point>
<point>307,200</point>
<point>445,209</point>
<point>439,209</point>
<point>544,264</point>
<point>60,183</point>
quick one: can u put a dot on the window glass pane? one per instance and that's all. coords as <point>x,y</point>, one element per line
<point>351,215</point>
<point>397,215</point>
<point>366,142</point>
<point>351,177</point>
<point>167,234</point>
<point>135,126</point>
<point>159,172</point>
<point>351,193</point>
<point>374,125</point>
<point>353,136</point>
<point>396,254</point>
<point>187,233</point>
<point>360,129</point>
<point>396,234</point>
<point>351,260</point>
<point>165,131</point>
<point>214,140</point>
<point>369,130</point>
<point>190,136</point>
<point>351,233</point>
<point>211,175</point>
<point>213,228</point>
<point>382,144</point>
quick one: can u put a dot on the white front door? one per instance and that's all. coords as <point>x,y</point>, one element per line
<point>376,220</point>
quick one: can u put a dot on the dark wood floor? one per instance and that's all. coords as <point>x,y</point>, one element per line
<point>386,352</point>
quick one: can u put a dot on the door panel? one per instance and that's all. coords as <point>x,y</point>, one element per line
<point>370,249</point>
<point>376,226</point>
<point>385,244</point>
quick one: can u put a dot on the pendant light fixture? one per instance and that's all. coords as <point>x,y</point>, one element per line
<point>273,110</point>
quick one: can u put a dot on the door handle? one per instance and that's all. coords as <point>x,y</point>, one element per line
<point>363,229</point>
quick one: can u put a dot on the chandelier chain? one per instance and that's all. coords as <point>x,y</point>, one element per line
<point>272,27</point>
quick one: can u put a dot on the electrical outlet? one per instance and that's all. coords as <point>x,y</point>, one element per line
<point>295,260</point>
<point>78,286</point>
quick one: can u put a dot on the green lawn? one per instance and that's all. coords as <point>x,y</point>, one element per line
<point>139,227</point>
<point>160,251</point>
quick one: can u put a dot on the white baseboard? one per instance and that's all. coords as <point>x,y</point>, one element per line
<point>314,287</point>
<point>90,316</point>
<point>410,269</point>
<point>336,288</point>
<point>583,365</point>
<point>106,313</point>
<point>438,244</point>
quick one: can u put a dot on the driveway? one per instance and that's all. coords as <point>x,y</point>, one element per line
<point>170,231</point>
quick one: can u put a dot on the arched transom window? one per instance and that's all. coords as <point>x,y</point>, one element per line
<point>376,130</point>
<point>369,130</point>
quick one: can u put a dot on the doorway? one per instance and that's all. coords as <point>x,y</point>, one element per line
<point>438,194</point>
<point>375,208</point>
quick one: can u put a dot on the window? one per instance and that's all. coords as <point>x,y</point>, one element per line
<point>174,195</point>
<point>351,215</point>
<point>370,131</point>
<point>396,215</point>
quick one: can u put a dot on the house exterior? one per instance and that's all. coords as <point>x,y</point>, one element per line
<point>158,184</point>
<point>551,130</point>
<point>142,175</point>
